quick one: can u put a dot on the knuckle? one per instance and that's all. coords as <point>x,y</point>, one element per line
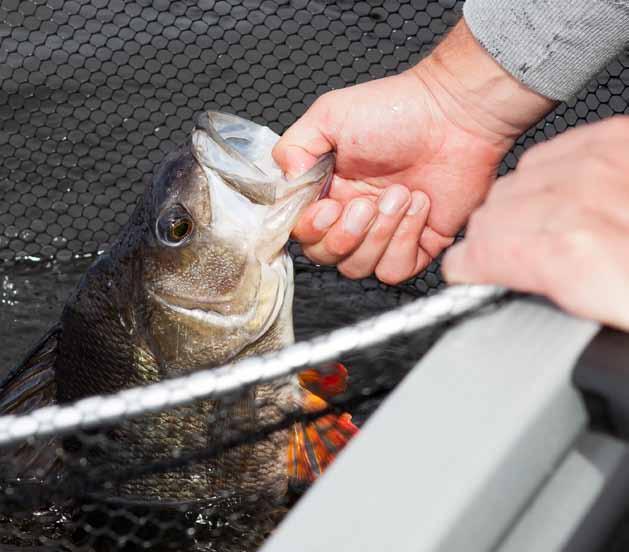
<point>381,232</point>
<point>558,255</point>
<point>617,124</point>
<point>610,161</point>
<point>573,242</point>
<point>316,256</point>
<point>601,166</point>
<point>515,247</point>
<point>302,233</point>
<point>321,102</point>
<point>577,242</point>
<point>323,106</point>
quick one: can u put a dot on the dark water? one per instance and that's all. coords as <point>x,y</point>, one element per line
<point>31,299</point>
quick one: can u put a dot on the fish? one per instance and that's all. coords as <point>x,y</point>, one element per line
<point>197,278</point>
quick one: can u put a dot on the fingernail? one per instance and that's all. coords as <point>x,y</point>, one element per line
<point>393,200</point>
<point>297,161</point>
<point>418,200</point>
<point>358,216</point>
<point>326,216</point>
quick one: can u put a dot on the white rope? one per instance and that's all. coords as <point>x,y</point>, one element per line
<point>422,313</point>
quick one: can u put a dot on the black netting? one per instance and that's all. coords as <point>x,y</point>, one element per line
<point>93,94</point>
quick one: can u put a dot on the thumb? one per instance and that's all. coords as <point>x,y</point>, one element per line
<point>301,145</point>
<point>294,160</point>
<point>455,266</point>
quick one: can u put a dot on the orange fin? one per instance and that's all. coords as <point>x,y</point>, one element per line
<point>327,382</point>
<point>313,445</point>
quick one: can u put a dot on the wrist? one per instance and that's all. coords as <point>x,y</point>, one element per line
<point>475,92</point>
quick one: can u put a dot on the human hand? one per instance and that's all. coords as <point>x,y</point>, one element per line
<point>558,225</point>
<point>416,153</point>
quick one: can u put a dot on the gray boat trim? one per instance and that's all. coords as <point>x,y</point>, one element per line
<point>458,452</point>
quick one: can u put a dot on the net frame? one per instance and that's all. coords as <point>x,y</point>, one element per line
<point>451,303</point>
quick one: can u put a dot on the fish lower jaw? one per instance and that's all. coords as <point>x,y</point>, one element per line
<point>275,281</point>
<point>208,317</point>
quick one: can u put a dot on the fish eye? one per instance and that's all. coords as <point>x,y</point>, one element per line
<point>174,226</point>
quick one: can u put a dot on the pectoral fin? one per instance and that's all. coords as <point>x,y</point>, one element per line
<point>326,382</point>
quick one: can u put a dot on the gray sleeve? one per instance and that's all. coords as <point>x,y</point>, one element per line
<point>552,46</point>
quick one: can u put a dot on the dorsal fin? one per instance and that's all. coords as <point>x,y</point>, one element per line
<point>29,386</point>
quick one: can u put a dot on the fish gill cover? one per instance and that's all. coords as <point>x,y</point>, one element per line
<point>94,94</point>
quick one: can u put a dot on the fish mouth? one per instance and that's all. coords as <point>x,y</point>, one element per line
<point>212,315</point>
<point>293,198</point>
<point>236,155</point>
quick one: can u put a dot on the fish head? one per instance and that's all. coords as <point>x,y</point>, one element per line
<point>219,213</point>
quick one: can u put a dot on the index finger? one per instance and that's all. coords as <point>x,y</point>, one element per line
<point>316,220</point>
<point>302,144</point>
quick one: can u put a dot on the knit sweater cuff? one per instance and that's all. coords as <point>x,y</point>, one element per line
<point>552,46</point>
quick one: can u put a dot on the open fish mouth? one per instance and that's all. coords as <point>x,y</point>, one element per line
<point>247,185</point>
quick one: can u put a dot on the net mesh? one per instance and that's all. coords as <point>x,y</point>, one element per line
<point>180,464</point>
<point>93,94</point>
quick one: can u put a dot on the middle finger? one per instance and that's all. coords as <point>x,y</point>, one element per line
<point>392,206</point>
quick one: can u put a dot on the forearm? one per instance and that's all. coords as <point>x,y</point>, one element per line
<point>552,46</point>
<point>486,95</point>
